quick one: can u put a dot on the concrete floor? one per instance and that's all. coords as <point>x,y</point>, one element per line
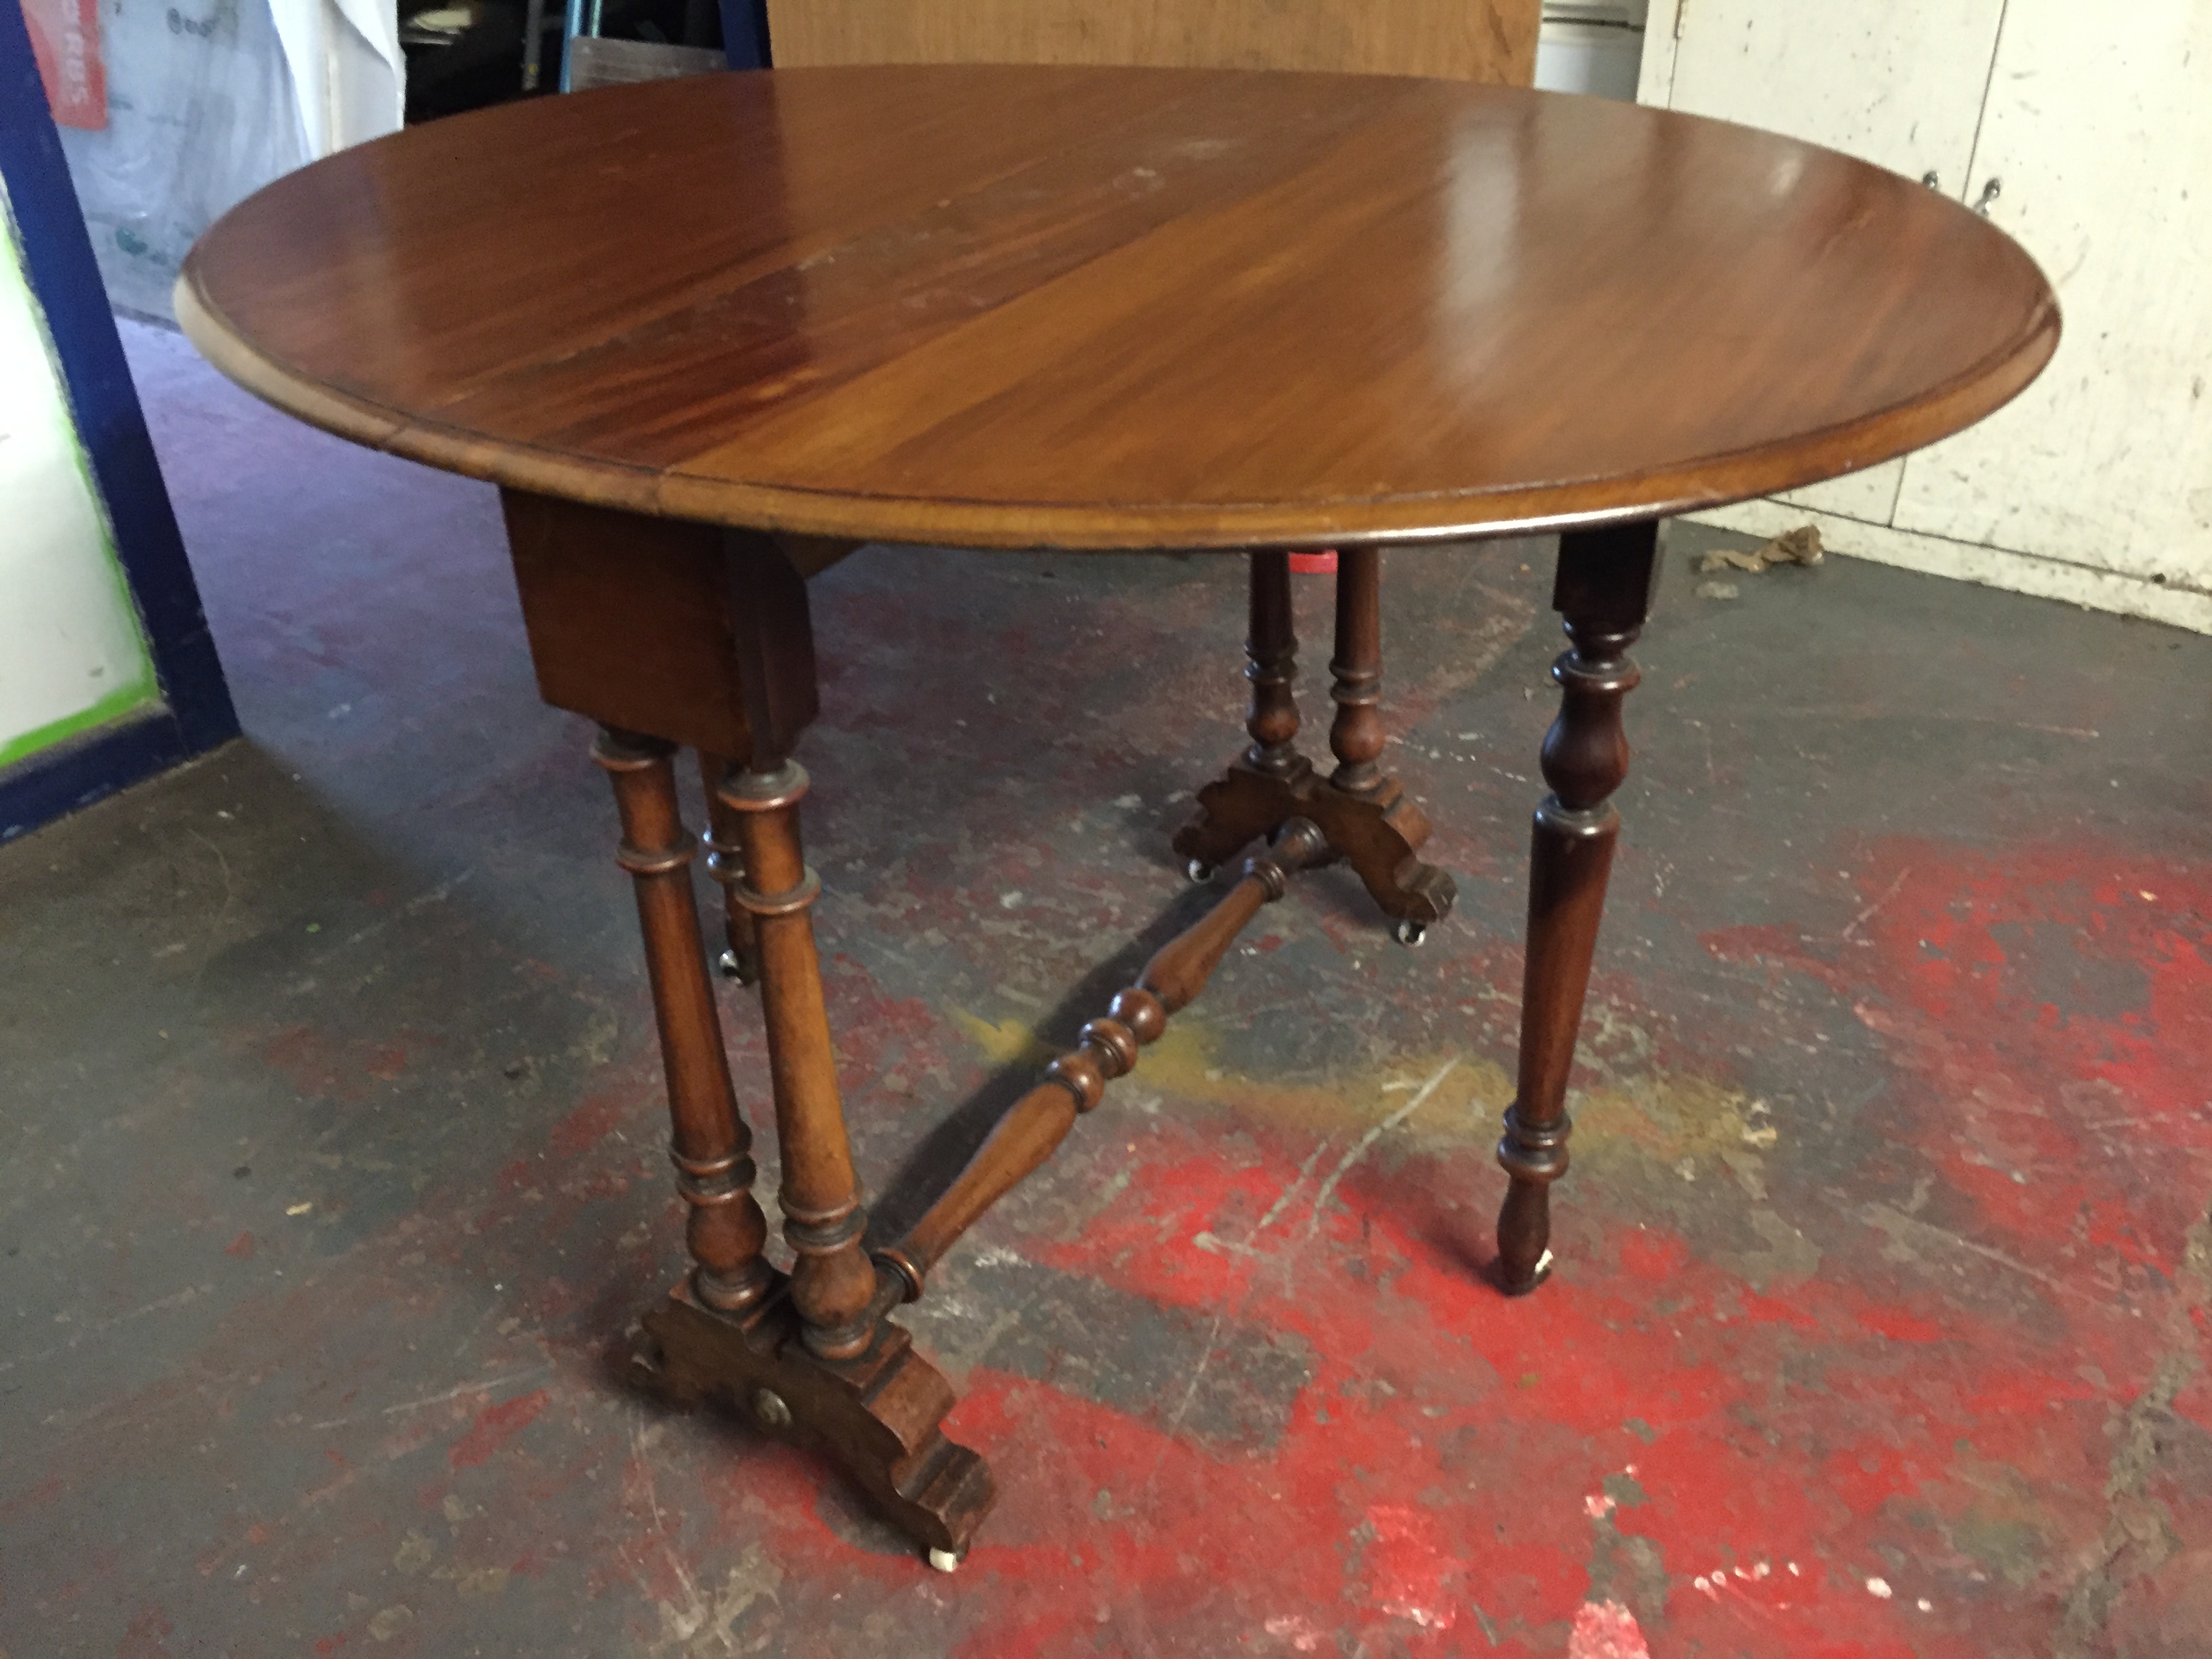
<point>333,1174</point>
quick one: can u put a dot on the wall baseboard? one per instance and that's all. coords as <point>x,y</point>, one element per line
<point>2020,573</point>
<point>80,770</point>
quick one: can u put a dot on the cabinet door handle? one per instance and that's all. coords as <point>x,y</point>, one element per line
<point>1990,193</point>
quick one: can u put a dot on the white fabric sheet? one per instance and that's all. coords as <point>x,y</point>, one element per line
<point>349,79</point>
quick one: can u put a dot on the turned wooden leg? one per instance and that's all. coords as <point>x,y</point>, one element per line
<point>833,1283</point>
<point>711,1146</point>
<point>1355,736</point>
<point>1271,650</point>
<point>726,863</point>
<point>1603,590</point>
<point>701,637</point>
<point>1367,814</point>
<point>1262,788</point>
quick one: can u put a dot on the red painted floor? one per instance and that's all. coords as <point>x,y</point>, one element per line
<point>332,1175</point>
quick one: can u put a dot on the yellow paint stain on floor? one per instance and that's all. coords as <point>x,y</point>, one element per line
<point>1674,1115</point>
<point>1668,1117</point>
<point>1009,1042</point>
<point>1184,1064</point>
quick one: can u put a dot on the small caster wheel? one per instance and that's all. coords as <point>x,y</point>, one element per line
<point>648,1367</point>
<point>943,1560</point>
<point>1537,1275</point>
<point>770,1411</point>
<point>1198,871</point>
<point>1409,934</point>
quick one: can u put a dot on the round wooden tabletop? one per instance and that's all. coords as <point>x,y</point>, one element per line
<point>1097,307</point>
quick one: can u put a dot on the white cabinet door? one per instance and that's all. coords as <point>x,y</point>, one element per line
<point>2099,131</point>
<point>1897,82</point>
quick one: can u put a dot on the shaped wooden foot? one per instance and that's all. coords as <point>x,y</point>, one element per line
<point>1379,834</point>
<point>1365,815</point>
<point>1255,797</point>
<point>876,1416</point>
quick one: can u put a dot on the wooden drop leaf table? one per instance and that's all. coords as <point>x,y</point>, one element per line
<point>710,335</point>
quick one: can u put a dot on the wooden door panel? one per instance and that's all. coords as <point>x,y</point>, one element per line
<point>1487,40</point>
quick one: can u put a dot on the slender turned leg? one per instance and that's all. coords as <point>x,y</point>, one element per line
<point>833,1284</point>
<point>740,957</point>
<point>1356,736</point>
<point>1603,590</point>
<point>1262,788</point>
<point>712,1147</point>
<point>1272,650</point>
<point>1375,824</point>
<point>701,637</point>
<point>1366,816</point>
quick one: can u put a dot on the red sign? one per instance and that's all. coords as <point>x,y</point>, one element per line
<point>65,40</point>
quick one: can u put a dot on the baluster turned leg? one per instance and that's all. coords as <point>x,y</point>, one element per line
<point>1367,813</point>
<point>726,863</point>
<point>1355,736</point>
<point>1603,590</point>
<point>1366,816</point>
<point>833,1284</point>
<point>813,1360</point>
<point>711,1146</point>
<point>1263,787</point>
<point>1271,651</point>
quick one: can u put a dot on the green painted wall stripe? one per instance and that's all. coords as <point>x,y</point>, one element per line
<point>124,700</point>
<point>139,689</point>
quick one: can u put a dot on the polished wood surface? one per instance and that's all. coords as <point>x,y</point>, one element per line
<point>739,958</point>
<point>1460,39</point>
<point>1103,307</point>
<point>878,1416</point>
<point>714,635</point>
<point>1272,666</point>
<point>630,621</point>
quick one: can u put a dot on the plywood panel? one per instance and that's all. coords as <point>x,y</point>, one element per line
<point>1488,40</point>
